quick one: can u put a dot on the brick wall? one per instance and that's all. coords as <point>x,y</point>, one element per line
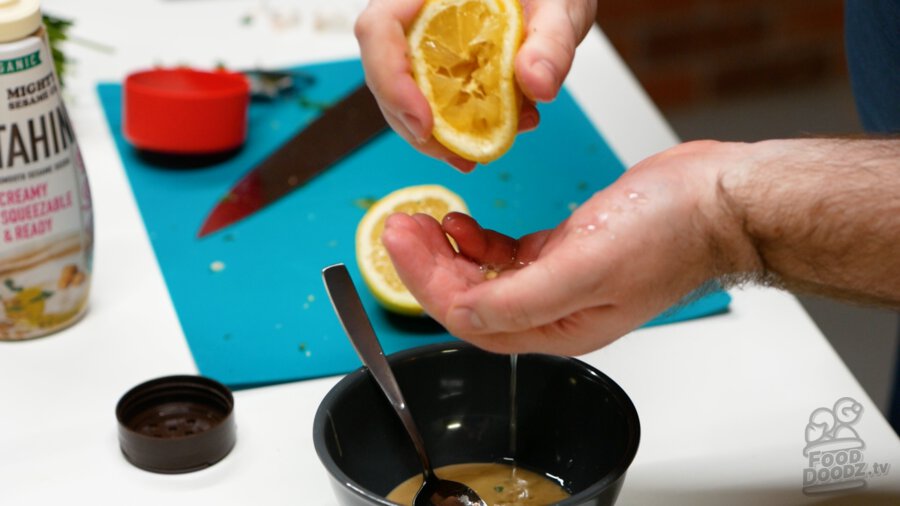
<point>688,51</point>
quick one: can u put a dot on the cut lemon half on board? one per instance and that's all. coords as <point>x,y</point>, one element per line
<point>462,54</point>
<point>372,257</point>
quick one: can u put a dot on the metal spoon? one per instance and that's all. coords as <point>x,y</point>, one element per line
<point>350,311</point>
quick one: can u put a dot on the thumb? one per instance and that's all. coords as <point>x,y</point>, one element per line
<point>553,29</point>
<point>544,292</point>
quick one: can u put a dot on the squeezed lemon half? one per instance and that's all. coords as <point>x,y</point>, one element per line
<point>374,263</point>
<point>462,54</point>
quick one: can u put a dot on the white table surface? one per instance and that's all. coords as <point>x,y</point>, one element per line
<point>724,401</point>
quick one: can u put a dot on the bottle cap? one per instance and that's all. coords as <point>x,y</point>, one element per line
<point>176,424</point>
<point>19,19</point>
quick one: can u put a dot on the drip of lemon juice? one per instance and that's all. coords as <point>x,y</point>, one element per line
<point>498,484</point>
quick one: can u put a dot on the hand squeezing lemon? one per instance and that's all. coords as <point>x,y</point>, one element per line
<point>462,54</point>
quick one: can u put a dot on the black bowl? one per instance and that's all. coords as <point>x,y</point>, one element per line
<point>573,423</point>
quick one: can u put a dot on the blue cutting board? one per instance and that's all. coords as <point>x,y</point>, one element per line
<point>250,298</point>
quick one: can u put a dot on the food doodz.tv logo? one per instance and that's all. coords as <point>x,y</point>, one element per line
<point>835,451</point>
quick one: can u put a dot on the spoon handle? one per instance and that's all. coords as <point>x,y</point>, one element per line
<point>352,315</point>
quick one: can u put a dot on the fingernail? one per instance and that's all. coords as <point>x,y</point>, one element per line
<point>468,318</point>
<point>414,126</point>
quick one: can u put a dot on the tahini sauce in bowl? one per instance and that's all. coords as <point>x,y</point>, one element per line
<point>497,484</point>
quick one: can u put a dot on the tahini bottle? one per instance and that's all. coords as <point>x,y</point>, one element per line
<point>46,222</point>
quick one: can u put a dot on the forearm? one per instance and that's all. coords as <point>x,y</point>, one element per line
<point>817,216</point>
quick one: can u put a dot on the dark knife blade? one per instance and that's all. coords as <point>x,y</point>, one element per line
<point>339,131</point>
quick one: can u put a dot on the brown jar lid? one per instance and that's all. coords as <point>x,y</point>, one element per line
<point>176,424</point>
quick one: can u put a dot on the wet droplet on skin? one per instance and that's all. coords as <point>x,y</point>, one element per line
<point>603,217</point>
<point>590,227</point>
<point>364,203</point>
<point>636,197</point>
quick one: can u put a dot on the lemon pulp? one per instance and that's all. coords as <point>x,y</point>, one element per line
<point>462,58</point>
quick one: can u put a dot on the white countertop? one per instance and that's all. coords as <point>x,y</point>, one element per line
<point>724,401</point>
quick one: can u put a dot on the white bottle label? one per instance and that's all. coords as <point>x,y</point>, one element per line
<point>46,227</point>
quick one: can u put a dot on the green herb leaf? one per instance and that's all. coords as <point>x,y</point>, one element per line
<point>315,105</point>
<point>365,203</point>
<point>57,31</point>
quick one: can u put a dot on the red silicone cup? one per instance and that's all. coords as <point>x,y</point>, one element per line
<point>186,111</point>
